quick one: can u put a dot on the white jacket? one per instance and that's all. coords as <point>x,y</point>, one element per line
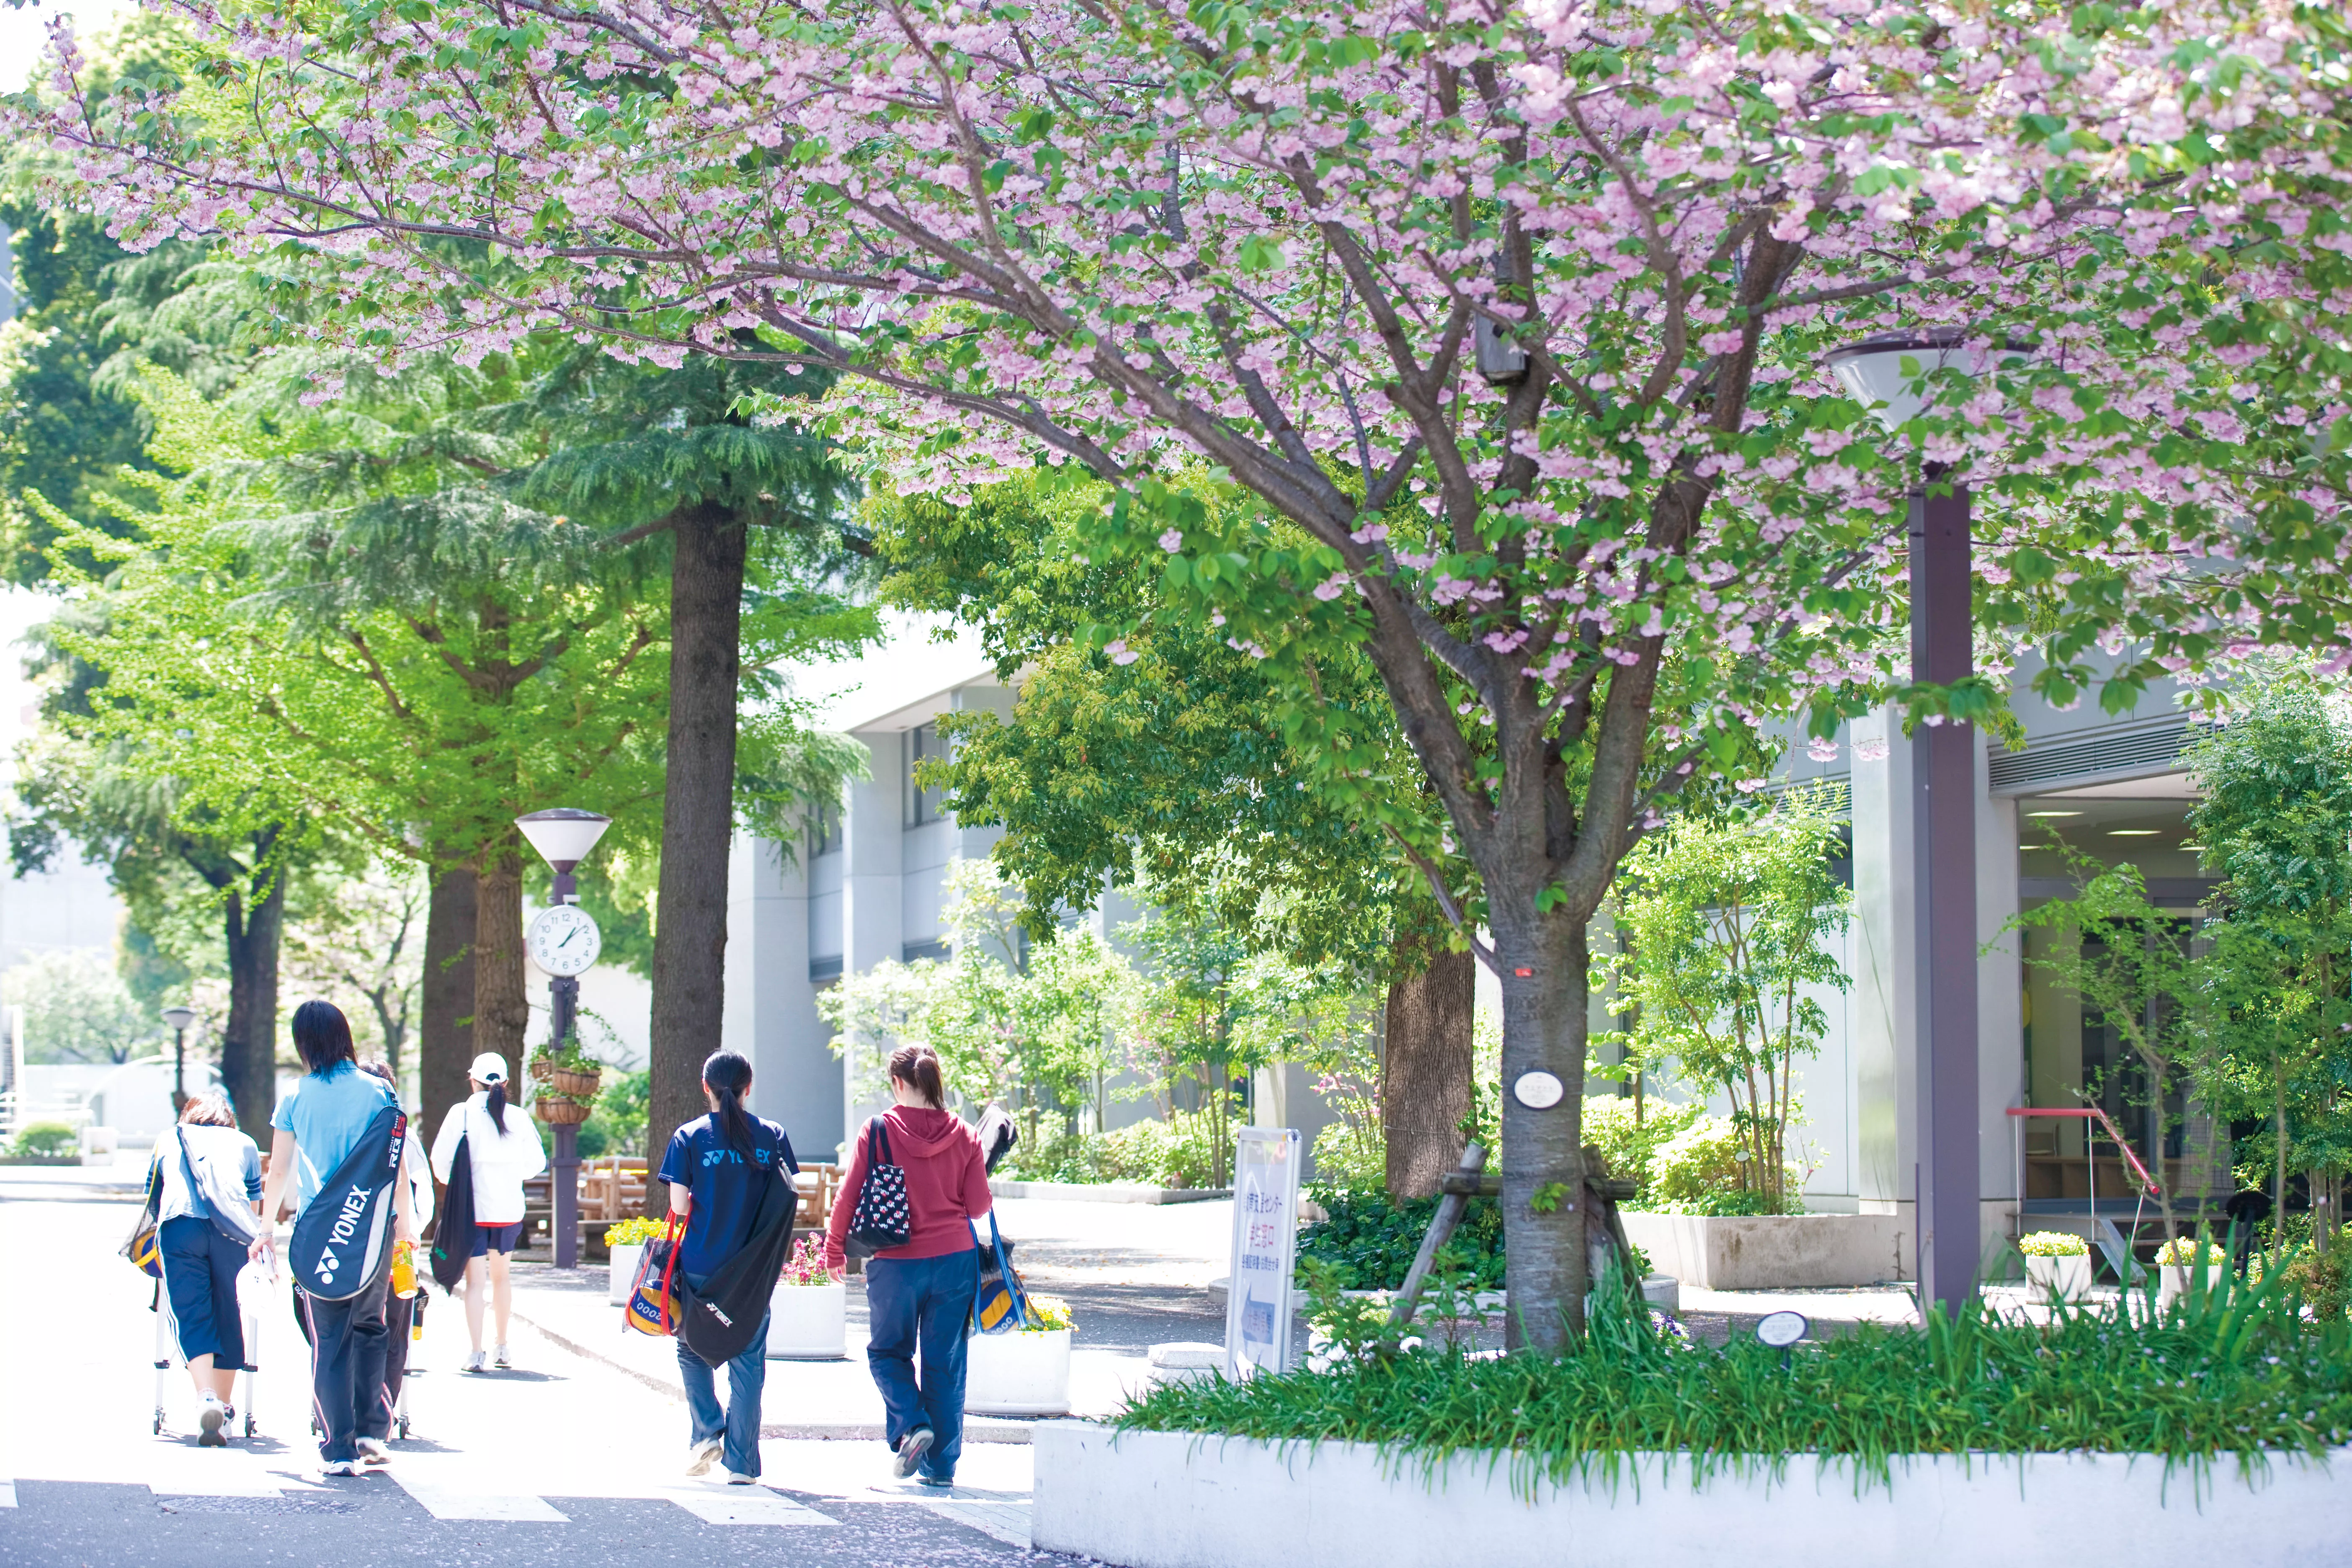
<point>500,1165</point>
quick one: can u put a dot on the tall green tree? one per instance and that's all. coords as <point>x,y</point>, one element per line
<point>2276,821</point>
<point>1724,929</point>
<point>1176,773</point>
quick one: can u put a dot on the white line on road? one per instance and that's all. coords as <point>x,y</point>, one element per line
<point>1005,1522</point>
<point>8,1494</point>
<point>744,1505</point>
<point>509,1507</point>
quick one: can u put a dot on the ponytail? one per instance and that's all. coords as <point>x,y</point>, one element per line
<point>918,1066</point>
<point>497,1106</point>
<point>728,1076</point>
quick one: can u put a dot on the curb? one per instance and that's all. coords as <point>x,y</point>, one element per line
<point>981,1429</point>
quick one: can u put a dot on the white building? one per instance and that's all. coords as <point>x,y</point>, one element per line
<point>872,888</point>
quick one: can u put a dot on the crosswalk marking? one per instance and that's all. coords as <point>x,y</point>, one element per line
<point>8,1494</point>
<point>1005,1522</point>
<point>509,1508</point>
<point>744,1505</point>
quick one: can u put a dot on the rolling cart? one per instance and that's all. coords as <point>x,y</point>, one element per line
<point>250,1287</point>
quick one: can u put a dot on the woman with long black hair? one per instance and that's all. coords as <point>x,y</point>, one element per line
<point>716,1167</point>
<point>503,1152</point>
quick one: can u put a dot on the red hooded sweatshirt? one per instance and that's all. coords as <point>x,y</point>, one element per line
<point>947,1183</point>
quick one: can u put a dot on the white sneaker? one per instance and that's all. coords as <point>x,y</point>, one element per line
<point>373,1453</point>
<point>476,1361</point>
<point>340,1468</point>
<point>911,1449</point>
<point>209,1423</point>
<point>736,1479</point>
<point>702,1455</point>
<point>500,1359</point>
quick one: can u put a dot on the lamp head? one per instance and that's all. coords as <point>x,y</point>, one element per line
<point>563,834</point>
<point>178,1018</point>
<point>1874,371</point>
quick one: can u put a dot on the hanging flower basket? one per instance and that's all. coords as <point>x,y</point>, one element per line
<point>557,1111</point>
<point>540,1068</point>
<point>580,1086</point>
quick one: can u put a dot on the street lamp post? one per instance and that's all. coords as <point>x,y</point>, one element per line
<point>1943,812</point>
<point>564,942</point>
<point>177,1020</point>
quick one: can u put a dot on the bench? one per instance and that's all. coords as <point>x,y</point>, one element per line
<point>613,1188</point>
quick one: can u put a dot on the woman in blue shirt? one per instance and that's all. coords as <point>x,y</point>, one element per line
<point>717,1166</point>
<point>209,1211</point>
<point>316,1126</point>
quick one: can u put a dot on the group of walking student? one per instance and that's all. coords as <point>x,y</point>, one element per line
<point>342,1159</point>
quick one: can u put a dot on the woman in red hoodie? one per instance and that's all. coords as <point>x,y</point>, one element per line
<point>919,1295</point>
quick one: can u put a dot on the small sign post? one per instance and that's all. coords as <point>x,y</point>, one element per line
<point>1258,1299</point>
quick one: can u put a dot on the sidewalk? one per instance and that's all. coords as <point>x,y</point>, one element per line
<point>832,1400</point>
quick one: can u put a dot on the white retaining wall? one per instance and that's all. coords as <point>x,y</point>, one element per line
<point>1152,1499</point>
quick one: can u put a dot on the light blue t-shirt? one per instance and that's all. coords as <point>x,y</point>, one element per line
<point>328,1115</point>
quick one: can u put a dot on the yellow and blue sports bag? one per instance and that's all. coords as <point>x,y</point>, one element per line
<point>1002,1302</point>
<point>655,1306</point>
<point>145,1247</point>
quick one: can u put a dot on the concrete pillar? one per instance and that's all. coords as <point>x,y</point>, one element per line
<point>873,824</point>
<point>770,1006</point>
<point>2001,1011</point>
<point>1884,947</point>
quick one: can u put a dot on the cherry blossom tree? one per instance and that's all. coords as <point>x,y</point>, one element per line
<point>1483,336</point>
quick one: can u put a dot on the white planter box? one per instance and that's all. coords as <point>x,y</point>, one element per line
<point>1158,1500</point>
<point>1765,1252</point>
<point>2070,1277</point>
<point>1018,1374</point>
<point>2172,1281</point>
<point>808,1322</point>
<point>626,1259</point>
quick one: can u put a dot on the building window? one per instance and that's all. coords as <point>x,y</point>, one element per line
<point>824,830</point>
<point>923,743</point>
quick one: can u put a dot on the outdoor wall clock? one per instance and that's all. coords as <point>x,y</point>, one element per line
<point>564,940</point>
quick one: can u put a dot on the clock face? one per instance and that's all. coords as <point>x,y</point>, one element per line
<point>564,940</point>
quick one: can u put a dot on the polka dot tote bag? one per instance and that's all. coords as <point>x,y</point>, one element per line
<point>881,1218</point>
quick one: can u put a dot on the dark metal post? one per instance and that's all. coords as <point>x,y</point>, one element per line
<point>179,1071</point>
<point>563,1166</point>
<point>1943,811</point>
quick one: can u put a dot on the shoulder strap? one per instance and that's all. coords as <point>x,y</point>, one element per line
<point>877,1134</point>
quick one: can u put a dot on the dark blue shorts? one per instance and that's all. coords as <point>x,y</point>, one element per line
<point>497,1237</point>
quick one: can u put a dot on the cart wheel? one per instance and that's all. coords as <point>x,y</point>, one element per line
<point>248,1423</point>
<point>404,1428</point>
<point>159,1423</point>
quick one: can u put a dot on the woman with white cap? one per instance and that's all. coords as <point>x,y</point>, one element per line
<point>503,1152</point>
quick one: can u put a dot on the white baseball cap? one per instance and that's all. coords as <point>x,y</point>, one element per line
<point>489,1067</point>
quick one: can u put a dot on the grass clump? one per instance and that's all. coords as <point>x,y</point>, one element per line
<point>2238,1373</point>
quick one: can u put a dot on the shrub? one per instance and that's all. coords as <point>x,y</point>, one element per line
<point>1047,1313</point>
<point>1370,1241</point>
<point>1698,1172</point>
<point>1351,1156</point>
<point>1159,1153</point>
<point>2182,1250</point>
<point>1632,1147</point>
<point>2053,1244</point>
<point>633,1232</point>
<point>45,1140</point>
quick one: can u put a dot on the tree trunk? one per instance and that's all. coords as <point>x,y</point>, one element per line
<point>249,1038</point>
<point>1425,1080</point>
<point>706,609</point>
<point>444,1041</point>
<point>502,1009</point>
<point>1544,960</point>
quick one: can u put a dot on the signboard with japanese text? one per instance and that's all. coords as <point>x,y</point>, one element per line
<point>1265,1250</point>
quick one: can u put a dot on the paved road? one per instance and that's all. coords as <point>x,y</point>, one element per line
<point>560,1460</point>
